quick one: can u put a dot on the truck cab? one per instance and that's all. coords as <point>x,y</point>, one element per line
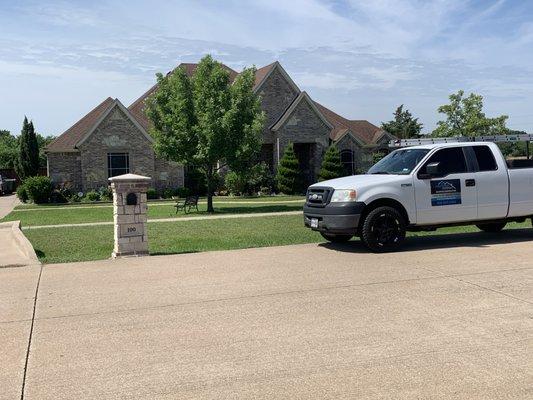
<point>422,187</point>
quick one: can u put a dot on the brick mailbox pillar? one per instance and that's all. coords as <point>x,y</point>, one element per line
<point>129,214</point>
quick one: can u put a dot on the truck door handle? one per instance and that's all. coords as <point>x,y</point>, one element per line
<point>470,182</point>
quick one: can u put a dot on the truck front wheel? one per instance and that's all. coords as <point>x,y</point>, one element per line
<point>336,238</point>
<point>494,227</point>
<point>383,229</point>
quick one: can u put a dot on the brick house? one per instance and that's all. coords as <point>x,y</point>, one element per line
<point>112,139</point>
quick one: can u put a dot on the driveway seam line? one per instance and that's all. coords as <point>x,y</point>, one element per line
<point>30,335</point>
<point>455,278</point>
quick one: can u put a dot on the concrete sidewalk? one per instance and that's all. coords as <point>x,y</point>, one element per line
<point>307,321</point>
<point>7,204</point>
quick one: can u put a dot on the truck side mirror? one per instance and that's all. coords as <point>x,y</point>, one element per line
<point>432,170</point>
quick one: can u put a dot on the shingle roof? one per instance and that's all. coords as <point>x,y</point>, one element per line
<point>362,129</point>
<point>68,139</point>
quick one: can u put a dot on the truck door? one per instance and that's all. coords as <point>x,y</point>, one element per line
<point>492,183</point>
<point>450,195</point>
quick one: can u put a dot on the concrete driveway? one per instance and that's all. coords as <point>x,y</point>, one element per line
<point>295,322</point>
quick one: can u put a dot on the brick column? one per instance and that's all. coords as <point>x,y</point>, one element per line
<point>129,214</point>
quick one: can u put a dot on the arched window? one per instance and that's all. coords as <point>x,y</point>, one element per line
<point>348,162</point>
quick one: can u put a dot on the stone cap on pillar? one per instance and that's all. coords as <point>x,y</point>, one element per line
<point>129,178</point>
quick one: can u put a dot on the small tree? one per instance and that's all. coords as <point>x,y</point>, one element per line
<point>403,126</point>
<point>28,158</point>
<point>331,165</point>
<point>288,173</point>
<point>377,156</point>
<point>205,121</point>
<point>465,117</point>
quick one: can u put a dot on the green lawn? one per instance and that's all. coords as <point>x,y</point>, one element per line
<point>75,214</point>
<point>96,242</point>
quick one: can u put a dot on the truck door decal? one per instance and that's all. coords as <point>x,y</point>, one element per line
<point>445,192</point>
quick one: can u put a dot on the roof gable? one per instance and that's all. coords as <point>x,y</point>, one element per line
<point>120,106</point>
<point>303,96</point>
<point>263,73</point>
<point>68,139</point>
<point>363,130</point>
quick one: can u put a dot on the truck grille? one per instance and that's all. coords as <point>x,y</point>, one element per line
<point>318,196</point>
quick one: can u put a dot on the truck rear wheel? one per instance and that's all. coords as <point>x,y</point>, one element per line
<point>336,238</point>
<point>383,229</point>
<point>494,227</point>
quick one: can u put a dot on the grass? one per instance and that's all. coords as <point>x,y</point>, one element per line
<point>74,214</point>
<point>96,242</point>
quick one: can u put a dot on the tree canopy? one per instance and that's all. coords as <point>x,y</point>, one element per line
<point>9,149</point>
<point>28,155</point>
<point>403,126</point>
<point>205,121</point>
<point>464,116</point>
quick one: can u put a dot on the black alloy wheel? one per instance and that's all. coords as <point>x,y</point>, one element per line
<point>383,229</point>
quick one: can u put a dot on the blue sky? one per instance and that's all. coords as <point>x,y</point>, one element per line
<point>58,59</point>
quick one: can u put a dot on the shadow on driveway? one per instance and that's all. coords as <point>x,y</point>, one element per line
<point>444,241</point>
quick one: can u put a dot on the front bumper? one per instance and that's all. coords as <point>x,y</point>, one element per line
<point>335,218</point>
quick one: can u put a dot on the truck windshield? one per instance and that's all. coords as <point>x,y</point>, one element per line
<point>399,162</point>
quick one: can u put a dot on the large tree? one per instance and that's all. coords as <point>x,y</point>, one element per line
<point>206,121</point>
<point>8,149</point>
<point>28,155</point>
<point>403,126</point>
<point>465,117</point>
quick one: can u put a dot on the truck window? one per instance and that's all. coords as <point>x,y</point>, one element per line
<point>399,162</point>
<point>485,158</point>
<point>452,161</point>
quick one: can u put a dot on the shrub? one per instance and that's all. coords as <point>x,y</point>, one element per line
<point>106,194</point>
<point>58,197</point>
<point>377,157</point>
<point>288,174</point>
<point>39,188</point>
<point>249,181</point>
<point>22,193</point>
<point>168,193</point>
<point>331,165</point>
<point>183,192</point>
<point>235,183</point>
<point>92,195</point>
<point>151,194</point>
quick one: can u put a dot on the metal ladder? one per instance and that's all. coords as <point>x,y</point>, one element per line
<point>458,139</point>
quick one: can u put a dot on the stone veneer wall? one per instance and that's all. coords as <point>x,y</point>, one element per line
<point>168,174</point>
<point>276,96</point>
<point>116,134</point>
<point>65,169</point>
<point>304,126</point>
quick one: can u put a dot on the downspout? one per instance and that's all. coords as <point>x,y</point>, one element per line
<point>277,149</point>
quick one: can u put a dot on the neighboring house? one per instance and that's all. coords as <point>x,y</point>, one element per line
<point>110,132</point>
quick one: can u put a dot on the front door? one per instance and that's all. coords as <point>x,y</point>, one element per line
<point>452,197</point>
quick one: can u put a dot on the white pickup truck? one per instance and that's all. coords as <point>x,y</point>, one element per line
<point>423,188</point>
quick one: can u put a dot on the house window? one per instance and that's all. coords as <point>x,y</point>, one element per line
<point>118,164</point>
<point>348,162</point>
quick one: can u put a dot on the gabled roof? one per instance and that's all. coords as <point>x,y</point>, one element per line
<point>263,73</point>
<point>81,130</point>
<point>303,96</point>
<point>68,139</point>
<point>362,130</point>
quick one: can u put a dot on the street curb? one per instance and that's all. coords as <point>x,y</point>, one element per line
<point>21,240</point>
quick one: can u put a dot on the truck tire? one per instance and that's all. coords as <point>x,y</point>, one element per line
<point>383,229</point>
<point>493,227</point>
<point>336,238</point>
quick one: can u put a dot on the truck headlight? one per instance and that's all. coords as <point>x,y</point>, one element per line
<point>343,195</point>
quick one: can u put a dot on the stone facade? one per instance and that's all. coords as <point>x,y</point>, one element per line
<point>304,126</point>
<point>65,168</point>
<point>86,168</point>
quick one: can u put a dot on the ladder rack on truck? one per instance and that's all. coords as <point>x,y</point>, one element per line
<point>494,138</point>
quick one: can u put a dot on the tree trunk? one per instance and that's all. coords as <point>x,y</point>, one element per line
<point>209,184</point>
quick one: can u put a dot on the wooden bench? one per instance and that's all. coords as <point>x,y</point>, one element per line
<point>187,204</point>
